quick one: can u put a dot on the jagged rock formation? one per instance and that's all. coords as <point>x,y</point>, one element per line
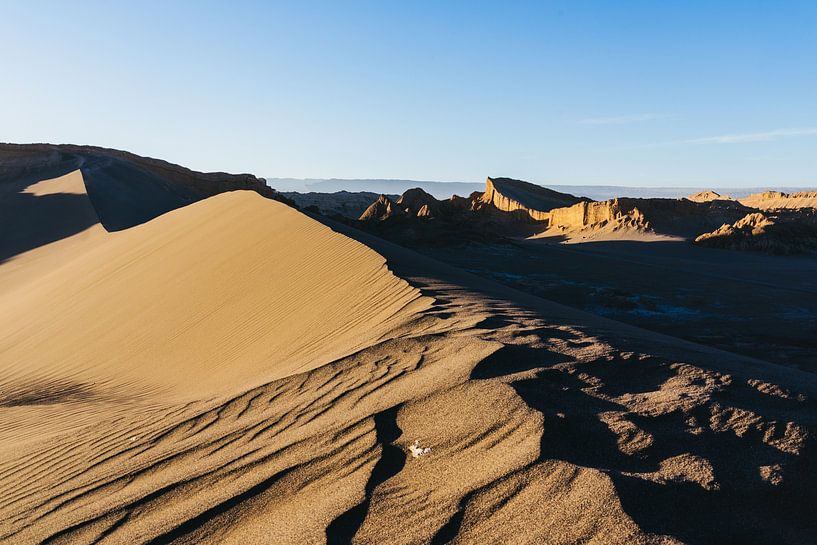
<point>684,218</point>
<point>472,202</point>
<point>504,199</point>
<point>707,196</point>
<point>765,233</point>
<point>586,215</point>
<point>417,218</point>
<point>344,203</point>
<point>416,202</point>
<point>126,189</point>
<point>512,206</point>
<point>380,209</point>
<point>413,203</point>
<point>510,195</point>
<point>673,217</point>
<point>751,224</point>
<point>776,200</point>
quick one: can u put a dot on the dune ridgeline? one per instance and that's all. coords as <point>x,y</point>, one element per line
<point>230,370</point>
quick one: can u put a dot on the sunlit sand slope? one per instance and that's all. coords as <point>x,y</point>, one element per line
<point>236,372</point>
<point>223,294</point>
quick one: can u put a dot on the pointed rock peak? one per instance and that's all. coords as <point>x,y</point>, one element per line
<point>416,196</point>
<point>414,201</point>
<point>380,209</point>
<point>706,196</point>
<point>754,220</point>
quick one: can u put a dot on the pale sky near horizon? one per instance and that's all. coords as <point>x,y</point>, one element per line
<point>563,92</point>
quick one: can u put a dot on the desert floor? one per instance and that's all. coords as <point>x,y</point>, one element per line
<point>755,304</point>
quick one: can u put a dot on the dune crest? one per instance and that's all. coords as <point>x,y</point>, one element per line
<point>207,274</point>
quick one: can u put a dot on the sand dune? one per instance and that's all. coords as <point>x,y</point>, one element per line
<point>236,372</point>
<point>233,292</point>
<point>206,277</point>
<point>54,233</point>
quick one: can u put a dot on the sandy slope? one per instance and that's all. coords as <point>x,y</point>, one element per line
<point>228,294</point>
<point>236,372</point>
<point>44,259</point>
<point>600,234</point>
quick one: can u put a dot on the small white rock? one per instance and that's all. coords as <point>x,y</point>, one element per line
<point>417,450</point>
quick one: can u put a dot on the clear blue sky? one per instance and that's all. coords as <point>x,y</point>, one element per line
<point>608,92</point>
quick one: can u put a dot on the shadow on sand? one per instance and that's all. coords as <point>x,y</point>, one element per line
<point>735,498</point>
<point>28,221</point>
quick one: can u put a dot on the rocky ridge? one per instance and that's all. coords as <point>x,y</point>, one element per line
<point>781,234</point>
<point>125,188</point>
<point>776,200</point>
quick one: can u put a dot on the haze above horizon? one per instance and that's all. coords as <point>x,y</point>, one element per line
<point>627,93</point>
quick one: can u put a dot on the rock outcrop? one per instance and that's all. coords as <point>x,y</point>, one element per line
<point>584,215</point>
<point>416,202</point>
<point>762,232</point>
<point>510,195</point>
<point>707,196</point>
<point>125,189</point>
<point>413,203</point>
<point>36,156</point>
<point>381,209</point>
<point>776,200</point>
<point>514,206</point>
<point>343,203</point>
<point>504,200</point>
<point>751,224</point>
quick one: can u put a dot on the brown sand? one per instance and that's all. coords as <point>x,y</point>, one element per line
<point>600,233</point>
<point>184,306</point>
<point>236,372</point>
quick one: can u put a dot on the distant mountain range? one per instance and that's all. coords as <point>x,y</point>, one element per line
<point>443,190</point>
